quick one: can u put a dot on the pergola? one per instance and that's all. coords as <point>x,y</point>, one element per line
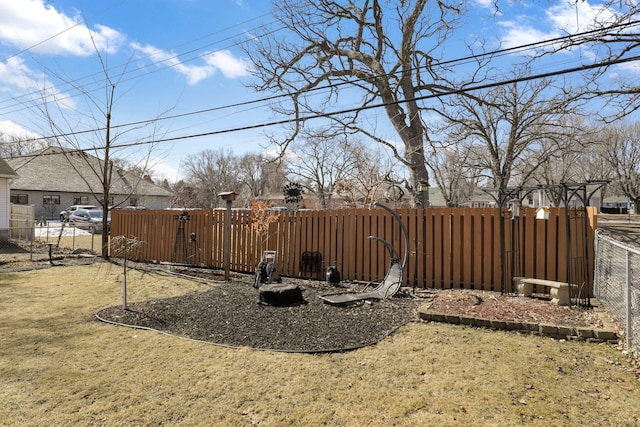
<point>575,197</point>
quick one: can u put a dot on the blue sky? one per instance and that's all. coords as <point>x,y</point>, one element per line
<point>183,56</point>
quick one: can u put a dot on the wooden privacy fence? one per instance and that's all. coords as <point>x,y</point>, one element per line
<point>448,247</point>
<point>165,235</point>
<point>22,221</point>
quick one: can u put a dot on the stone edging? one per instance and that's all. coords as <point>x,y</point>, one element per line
<point>559,332</point>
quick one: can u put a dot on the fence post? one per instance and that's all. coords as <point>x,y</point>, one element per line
<point>229,197</point>
<point>628,300</point>
<point>124,276</point>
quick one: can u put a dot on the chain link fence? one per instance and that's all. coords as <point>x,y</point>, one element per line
<point>35,241</point>
<point>617,282</point>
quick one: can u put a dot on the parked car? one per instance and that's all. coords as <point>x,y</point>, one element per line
<point>132,208</point>
<point>64,215</point>
<point>89,219</point>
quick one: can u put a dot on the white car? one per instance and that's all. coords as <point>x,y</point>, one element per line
<point>64,215</point>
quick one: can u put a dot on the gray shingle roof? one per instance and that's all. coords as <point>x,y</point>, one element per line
<point>5,170</point>
<point>57,169</point>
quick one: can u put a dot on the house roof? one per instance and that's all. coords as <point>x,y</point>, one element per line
<point>62,170</point>
<point>6,171</point>
<point>436,198</point>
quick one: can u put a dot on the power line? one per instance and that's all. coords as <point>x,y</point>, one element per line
<point>27,49</point>
<point>499,52</point>
<point>71,84</point>
<point>379,105</point>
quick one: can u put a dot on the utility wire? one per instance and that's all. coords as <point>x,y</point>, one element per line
<point>369,107</point>
<point>499,52</point>
<point>83,22</point>
<point>333,86</point>
<point>74,84</point>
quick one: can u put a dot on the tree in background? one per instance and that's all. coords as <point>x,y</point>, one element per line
<point>454,172</point>
<point>19,145</point>
<point>259,175</point>
<point>371,176</point>
<point>501,129</point>
<point>101,138</point>
<point>377,52</point>
<point>619,148</point>
<point>210,173</point>
<point>319,160</point>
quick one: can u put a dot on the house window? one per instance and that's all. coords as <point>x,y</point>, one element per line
<point>80,200</point>
<point>20,199</point>
<point>50,200</point>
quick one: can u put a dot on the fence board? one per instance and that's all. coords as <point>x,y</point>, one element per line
<point>447,247</point>
<point>528,221</point>
<point>477,248</point>
<point>438,248</point>
<point>562,248</point>
<point>495,276</point>
<point>554,227</point>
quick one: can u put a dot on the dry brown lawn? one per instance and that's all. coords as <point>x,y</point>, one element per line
<point>59,366</point>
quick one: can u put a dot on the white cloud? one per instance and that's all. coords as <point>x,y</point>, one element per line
<point>516,34</point>
<point>558,20</point>
<point>43,29</point>
<point>16,73</point>
<point>230,66</point>
<point>579,16</point>
<point>223,61</point>
<point>632,67</point>
<point>11,129</point>
<point>486,4</point>
<point>161,170</point>
<point>17,78</point>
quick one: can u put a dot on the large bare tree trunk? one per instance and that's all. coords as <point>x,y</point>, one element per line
<point>385,50</point>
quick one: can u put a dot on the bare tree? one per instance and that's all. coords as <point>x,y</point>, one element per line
<point>319,161</point>
<point>184,195</point>
<point>101,137</point>
<point>385,53</point>
<point>211,172</point>
<point>620,150</point>
<point>370,177</point>
<point>454,172</point>
<point>502,129</point>
<point>18,145</point>
<point>259,175</point>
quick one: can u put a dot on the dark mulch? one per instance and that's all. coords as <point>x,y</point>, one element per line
<point>230,314</point>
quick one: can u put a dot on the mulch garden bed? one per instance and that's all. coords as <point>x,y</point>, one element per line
<point>230,314</point>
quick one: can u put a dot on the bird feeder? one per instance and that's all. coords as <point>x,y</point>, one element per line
<point>543,212</point>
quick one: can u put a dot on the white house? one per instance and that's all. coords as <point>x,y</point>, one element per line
<point>7,175</point>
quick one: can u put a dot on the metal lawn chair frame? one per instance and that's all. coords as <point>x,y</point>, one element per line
<point>392,280</point>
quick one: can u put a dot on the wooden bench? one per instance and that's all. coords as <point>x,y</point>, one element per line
<point>559,291</point>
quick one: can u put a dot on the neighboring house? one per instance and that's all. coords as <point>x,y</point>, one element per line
<point>54,178</point>
<point>7,175</point>
<point>617,205</point>
<point>436,198</point>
